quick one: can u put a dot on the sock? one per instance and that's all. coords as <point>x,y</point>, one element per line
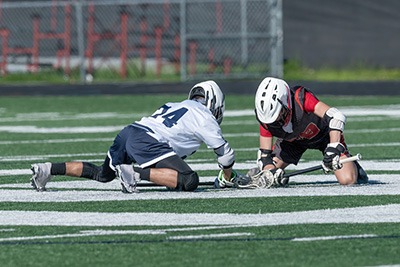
<point>58,169</point>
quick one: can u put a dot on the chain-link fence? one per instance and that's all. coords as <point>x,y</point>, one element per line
<point>132,40</point>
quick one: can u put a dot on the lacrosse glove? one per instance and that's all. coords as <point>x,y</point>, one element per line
<point>331,161</point>
<point>236,180</point>
<point>279,180</point>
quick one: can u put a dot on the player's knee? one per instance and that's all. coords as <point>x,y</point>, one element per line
<point>348,178</point>
<point>188,181</point>
<point>94,172</point>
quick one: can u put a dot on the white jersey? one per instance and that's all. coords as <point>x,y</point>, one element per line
<point>184,126</point>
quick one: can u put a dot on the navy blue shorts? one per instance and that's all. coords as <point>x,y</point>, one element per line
<point>134,145</point>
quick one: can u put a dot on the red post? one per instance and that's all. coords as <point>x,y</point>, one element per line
<point>67,38</point>
<point>211,65</point>
<point>34,67</point>
<point>143,44</point>
<point>53,20</point>
<point>1,11</point>
<point>218,16</point>
<point>157,49</point>
<point>227,66</point>
<point>192,58</point>
<point>166,10</point>
<point>91,38</point>
<point>177,53</point>
<point>124,44</point>
<point>4,36</point>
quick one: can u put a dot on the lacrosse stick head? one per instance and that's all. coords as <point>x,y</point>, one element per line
<point>262,179</point>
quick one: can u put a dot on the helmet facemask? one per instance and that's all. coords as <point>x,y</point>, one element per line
<point>284,117</point>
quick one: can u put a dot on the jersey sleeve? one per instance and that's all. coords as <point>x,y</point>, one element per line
<point>310,101</point>
<point>264,132</point>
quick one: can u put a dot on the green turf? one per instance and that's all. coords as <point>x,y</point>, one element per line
<point>370,245</point>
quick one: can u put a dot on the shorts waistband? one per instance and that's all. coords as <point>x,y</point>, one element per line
<point>145,128</point>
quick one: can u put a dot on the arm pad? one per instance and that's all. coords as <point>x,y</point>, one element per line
<point>336,119</point>
<point>226,156</point>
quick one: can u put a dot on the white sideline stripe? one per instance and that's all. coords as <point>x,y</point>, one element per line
<point>207,236</point>
<point>35,129</point>
<point>109,129</point>
<point>392,165</point>
<point>56,141</point>
<point>78,140</point>
<point>387,110</point>
<point>359,215</point>
<point>337,237</point>
<point>306,186</point>
<point>42,157</point>
<point>115,184</point>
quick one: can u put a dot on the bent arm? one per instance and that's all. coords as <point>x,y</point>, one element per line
<point>336,120</point>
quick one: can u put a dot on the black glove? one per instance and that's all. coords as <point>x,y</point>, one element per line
<point>331,161</point>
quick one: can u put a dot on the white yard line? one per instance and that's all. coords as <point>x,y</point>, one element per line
<point>389,165</point>
<point>359,215</point>
<point>387,110</point>
<point>306,186</point>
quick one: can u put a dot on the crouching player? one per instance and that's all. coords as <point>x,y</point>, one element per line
<point>299,121</point>
<point>157,145</point>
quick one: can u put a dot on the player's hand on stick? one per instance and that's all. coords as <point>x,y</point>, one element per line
<point>236,180</point>
<point>279,179</point>
<point>331,161</point>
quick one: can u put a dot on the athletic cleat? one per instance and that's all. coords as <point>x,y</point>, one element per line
<point>128,178</point>
<point>41,176</point>
<point>362,175</point>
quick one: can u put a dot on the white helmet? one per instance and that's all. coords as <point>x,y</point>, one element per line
<point>214,98</point>
<point>273,102</point>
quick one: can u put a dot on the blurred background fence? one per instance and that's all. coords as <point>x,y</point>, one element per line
<point>130,40</point>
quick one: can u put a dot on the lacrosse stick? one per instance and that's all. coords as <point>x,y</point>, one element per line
<point>319,167</point>
<point>265,179</point>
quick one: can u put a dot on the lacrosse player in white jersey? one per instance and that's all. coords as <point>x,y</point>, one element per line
<point>154,147</point>
<point>299,121</point>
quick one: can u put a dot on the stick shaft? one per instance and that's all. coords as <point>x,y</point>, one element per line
<point>318,167</point>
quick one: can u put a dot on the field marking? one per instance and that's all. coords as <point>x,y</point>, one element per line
<point>208,236</point>
<point>389,165</point>
<point>359,215</point>
<point>93,191</point>
<point>112,129</point>
<point>109,140</point>
<point>387,110</point>
<point>337,237</point>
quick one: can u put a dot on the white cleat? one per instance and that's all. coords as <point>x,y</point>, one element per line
<point>41,175</point>
<point>128,178</point>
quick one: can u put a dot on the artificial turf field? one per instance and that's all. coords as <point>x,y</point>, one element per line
<point>313,222</point>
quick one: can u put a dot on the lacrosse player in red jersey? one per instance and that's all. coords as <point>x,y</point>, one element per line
<point>299,121</point>
<point>158,144</point>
